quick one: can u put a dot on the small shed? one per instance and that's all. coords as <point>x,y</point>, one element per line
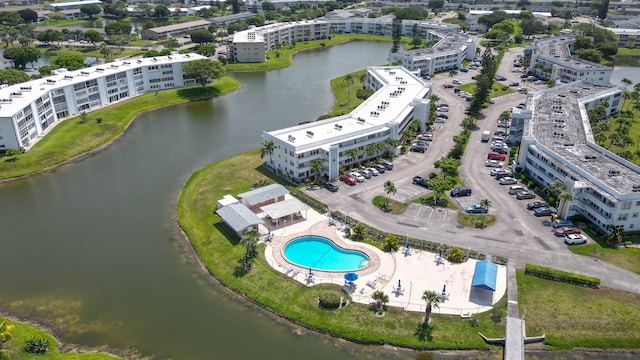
<point>485,275</point>
<point>239,218</point>
<point>257,198</point>
<point>227,200</point>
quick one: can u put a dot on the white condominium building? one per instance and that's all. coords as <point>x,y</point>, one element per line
<point>399,97</point>
<point>551,60</point>
<point>382,26</point>
<point>251,45</point>
<point>448,53</point>
<point>557,143</point>
<point>30,109</point>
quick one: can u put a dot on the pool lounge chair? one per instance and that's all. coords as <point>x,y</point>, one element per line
<point>295,273</point>
<point>289,269</point>
<point>372,283</point>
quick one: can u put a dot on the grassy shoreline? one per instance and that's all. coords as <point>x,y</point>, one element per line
<point>73,139</point>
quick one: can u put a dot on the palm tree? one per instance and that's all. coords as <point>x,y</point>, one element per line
<point>250,242</point>
<point>615,235</point>
<point>381,298</point>
<point>389,188</point>
<point>316,168</point>
<point>555,188</point>
<point>353,154</point>
<point>433,300</point>
<point>268,147</point>
<point>392,144</point>
<point>626,82</point>
<point>371,149</point>
<point>486,203</point>
<point>349,80</point>
<point>564,198</point>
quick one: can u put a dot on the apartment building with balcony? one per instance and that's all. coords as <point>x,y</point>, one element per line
<point>550,59</point>
<point>558,144</point>
<point>251,45</point>
<point>448,53</point>
<point>382,26</point>
<point>399,97</point>
<point>29,110</point>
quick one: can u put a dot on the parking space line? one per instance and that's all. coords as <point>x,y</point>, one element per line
<point>431,214</point>
<point>419,209</point>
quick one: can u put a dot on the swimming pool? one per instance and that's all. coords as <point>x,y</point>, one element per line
<point>322,254</point>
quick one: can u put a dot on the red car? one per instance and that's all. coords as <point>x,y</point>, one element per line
<point>348,179</point>
<point>448,86</point>
<point>567,230</point>
<point>496,156</point>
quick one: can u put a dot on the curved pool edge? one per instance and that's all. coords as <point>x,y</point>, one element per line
<point>339,246</point>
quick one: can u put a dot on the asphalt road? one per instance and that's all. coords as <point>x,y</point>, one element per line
<point>517,234</point>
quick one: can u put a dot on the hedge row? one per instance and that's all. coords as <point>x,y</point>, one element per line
<point>561,276</point>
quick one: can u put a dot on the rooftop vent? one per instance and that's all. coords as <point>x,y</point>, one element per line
<point>126,63</point>
<point>84,73</point>
<point>590,157</point>
<point>99,69</point>
<point>25,88</point>
<point>139,61</point>
<point>635,188</point>
<point>114,66</point>
<point>16,93</point>
<point>68,77</point>
<point>51,81</point>
<point>614,172</point>
<point>568,144</point>
<point>338,126</point>
<point>154,59</point>
<point>310,133</point>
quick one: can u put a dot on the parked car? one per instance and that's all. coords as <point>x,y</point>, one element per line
<point>419,180</point>
<point>460,191</point>
<point>504,174</point>
<point>445,116</point>
<point>536,204</point>
<point>567,230</point>
<point>365,173</point>
<point>574,239</point>
<point>500,78</point>
<point>464,70</point>
<point>373,171</point>
<point>514,84</point>
<point>456,82</point>
<point>387,164</point>
<point>381,168</point>
<point>496,172</point>
<point>500,132</point>
<point>448,86</point>
<point>426,137</point>
<point>496,156</point>
<point>348,179</point>
<point>558,223</point>
<point>333,187</point>
<point>476,209</point>
<point>493,163</point>
<point>357,176</point>
<point>508,181</point>
<point>543,211</point>
<point>418,147</point>
<point>491,101</point>
<point>523,195</point>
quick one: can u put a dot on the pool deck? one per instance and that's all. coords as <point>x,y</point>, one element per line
<point>417,271</point>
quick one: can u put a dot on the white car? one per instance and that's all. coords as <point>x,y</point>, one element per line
<point>456,82</point>
<point>373,171</point>
<point>493,163</point>
<point>575,239</point>
<point>508,181</point>
<point>357,176</point>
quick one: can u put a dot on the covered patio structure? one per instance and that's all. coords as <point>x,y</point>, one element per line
<point>290,207</point>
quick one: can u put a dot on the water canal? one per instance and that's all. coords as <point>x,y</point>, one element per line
<point>92,246</point>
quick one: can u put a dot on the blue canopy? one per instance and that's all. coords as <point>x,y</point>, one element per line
<point>351,276</point>
<point>484,276</point>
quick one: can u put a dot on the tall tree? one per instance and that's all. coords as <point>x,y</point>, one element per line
<point>432,299</point>
<point>203,71</point>
<point>486,203</point>
<point>268,147</point>
<point>90,10</point>
<point>349,80</point>
<point>317,166</point>
<point>604,9</point>
<point>396,34</point>
<point>28,15</point>
<point>389,188</point>
<point>615,235</point>
<point>250,242</point>
<point>12,76</point>
<point>93,37</point>
<point>201,36</point>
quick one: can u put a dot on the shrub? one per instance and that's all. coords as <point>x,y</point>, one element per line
<point>363,93</point>
<point>391,243</point>
<point>99,120</point>
<point>4,355</point>
<point>561,276</point>
<point>330,300</point>
<point>433,175</point>
<point>456,255</point>
<point>37,345</point>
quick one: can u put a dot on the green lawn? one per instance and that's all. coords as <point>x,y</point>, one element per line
<point>389,205</point>
<point>578,317</point>
<point>72,137</point>
<point>429,199</point>
<point>628,52</point>
<point>476,220</point>
<point>634,133</point>
<point>90,51</point>
<point>626,258</point>
<point>496,90</point>
<point>220,253</point>
<point>345,92</point>
<point>22,332</point>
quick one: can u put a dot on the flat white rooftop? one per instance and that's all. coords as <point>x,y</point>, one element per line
<point>389,104</point>
<point>256,33</point>
<point>15,97</point>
